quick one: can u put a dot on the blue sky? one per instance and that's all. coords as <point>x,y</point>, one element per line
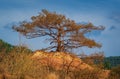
<point>99,12</point>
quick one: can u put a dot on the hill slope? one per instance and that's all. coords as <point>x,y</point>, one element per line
<point>5,47</point>
<point>60,60</point>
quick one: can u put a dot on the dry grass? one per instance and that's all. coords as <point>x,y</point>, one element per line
<point>52,76</point>
<point>19,64</point>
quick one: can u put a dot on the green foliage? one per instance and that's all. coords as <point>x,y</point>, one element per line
<point>107,65</point>
<point>113,60</point>
<point>5,46</point>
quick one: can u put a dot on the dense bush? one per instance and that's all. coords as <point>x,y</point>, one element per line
<point>115,73</point>
<point>5,46</point>
<point>107,65</point>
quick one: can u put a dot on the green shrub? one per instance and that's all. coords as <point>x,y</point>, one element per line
<point>107,65</point>
<point>5,46</point>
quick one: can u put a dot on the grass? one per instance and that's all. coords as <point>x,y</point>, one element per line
<point>18,64</point>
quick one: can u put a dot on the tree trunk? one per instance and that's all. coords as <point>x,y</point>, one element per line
<point>59,42</point>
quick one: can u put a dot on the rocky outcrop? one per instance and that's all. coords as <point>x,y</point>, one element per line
<point>60,60</point>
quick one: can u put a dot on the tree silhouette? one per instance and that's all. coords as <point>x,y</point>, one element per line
<point>62,33</point>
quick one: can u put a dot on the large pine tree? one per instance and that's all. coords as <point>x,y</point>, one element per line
<point>62,33</point>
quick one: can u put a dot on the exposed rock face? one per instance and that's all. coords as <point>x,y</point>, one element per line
<point>60,60</point>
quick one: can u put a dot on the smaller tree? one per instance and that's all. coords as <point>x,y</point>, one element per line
<point>63,33</point>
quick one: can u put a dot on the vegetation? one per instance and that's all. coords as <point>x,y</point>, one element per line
<point>63,33</point>
<point>113,60</point>
<point>107,65</point>
<point>115,73</point>
<point>5,46</point>
<point>18,64</point>
<point>94,59</point>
